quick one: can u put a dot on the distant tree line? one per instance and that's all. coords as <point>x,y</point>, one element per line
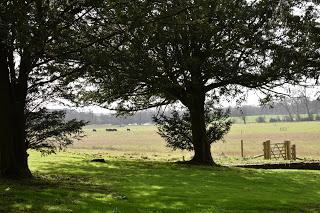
<point>292,110</point>
<point>142,117</point>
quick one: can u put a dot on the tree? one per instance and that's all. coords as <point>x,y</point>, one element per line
<point>297,101</point>
<point>40,46</point>
<point>243,115</point>
<point>306,102</point>
<point>287,103</point>
<point>185,50</point>
<point>177,129</point>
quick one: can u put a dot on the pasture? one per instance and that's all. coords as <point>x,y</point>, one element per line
<point>144,142</point>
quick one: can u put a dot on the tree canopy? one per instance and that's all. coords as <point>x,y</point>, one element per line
<point>185,51</point>
<point>41,43</point>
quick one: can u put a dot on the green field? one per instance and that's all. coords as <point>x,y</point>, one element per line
<point>140,175</point>
<point>69,182</point>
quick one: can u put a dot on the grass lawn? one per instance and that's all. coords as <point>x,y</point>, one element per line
<point>69,182</point>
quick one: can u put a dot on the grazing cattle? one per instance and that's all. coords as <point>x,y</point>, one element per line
<point>94,130</point>
<point>111,130</point>
<point>128,130</point>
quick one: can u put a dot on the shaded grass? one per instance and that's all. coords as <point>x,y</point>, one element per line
<point>69,182</point>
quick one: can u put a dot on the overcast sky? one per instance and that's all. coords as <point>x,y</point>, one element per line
<point>253,98</point>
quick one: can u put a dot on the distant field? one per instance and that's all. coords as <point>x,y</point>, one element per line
<point>143,141</point>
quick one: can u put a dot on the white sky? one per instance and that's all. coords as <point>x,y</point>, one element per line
<point>252,99</point>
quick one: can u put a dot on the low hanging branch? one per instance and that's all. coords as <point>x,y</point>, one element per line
<point>48,132</point>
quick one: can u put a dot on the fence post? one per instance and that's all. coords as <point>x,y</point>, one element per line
<point>242,155</point>
<point>287,150</point>
<point>293,152</point>
<point>267,150</point>
<point>264,150</point>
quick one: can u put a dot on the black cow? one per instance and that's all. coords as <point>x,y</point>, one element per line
<point>111,130</point>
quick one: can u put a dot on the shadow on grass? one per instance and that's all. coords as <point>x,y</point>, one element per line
<point>143,186</point>
<point>55,193</point>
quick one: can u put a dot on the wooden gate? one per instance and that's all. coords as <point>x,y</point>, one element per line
<point>279,150</point>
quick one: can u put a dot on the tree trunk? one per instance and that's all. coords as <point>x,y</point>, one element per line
<point>13,155</point>
<point>202,147</point>
<point>297,106</point>
<point>306,103</point>
<point>7,160</point>
<point>287,108</point>
<point>20,97</point>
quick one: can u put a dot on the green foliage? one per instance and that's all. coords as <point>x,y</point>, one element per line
<point>176,49</point>
<point>48,132</point>
<point>176,129</point>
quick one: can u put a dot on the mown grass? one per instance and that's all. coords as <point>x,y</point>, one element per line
<point>69,182</point>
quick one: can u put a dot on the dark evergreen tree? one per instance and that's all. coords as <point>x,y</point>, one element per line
<point>49,132</point>
<point>176,128</point>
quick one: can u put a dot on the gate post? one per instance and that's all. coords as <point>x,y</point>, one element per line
<point>242,155</point>
<point>293,152</point>
<point>267,150</point>
<point>287,150</point>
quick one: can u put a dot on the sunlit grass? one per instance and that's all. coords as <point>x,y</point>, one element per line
<point>69,182</point>
<point>140,175</point>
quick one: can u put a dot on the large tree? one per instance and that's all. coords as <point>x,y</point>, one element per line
<point>185,51</point>
<point>41,43</point>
